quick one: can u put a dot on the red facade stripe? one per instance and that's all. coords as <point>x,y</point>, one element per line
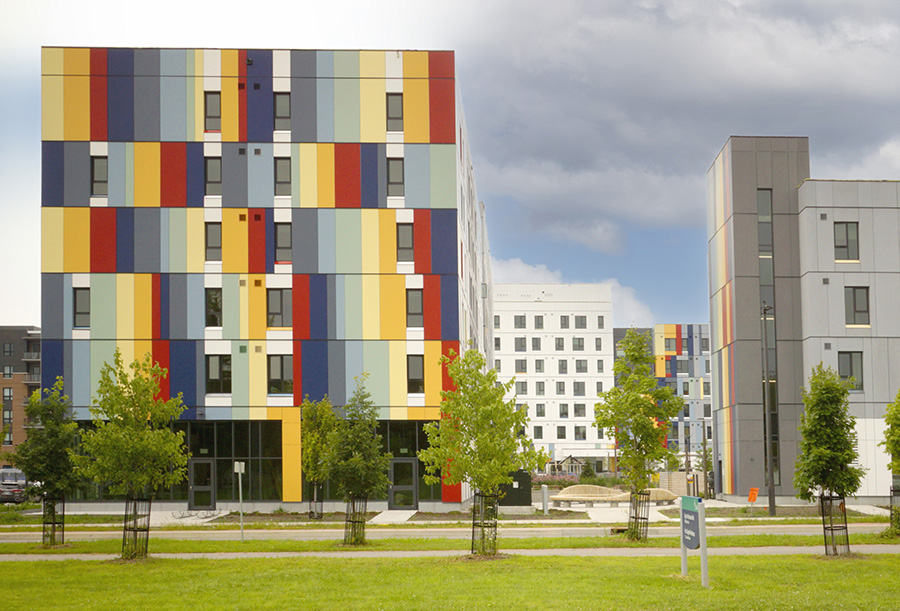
<point>442,104</point>
<point>446,380</point>
<point>103,240</point>
<point>257,240</point>
<point>678,340</point>
<point>173,174</point>
<point>440,64</point>
<point>346,176</point>
<point>422,240</point>
<point>431,296</point>
<point>161,356</point>
<point>300,309</point>
<point>98,94</point>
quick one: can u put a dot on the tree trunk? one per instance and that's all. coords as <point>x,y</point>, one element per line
<point>484,524</point>
<point>54,520</point>
<point>638,514</point>
<point>355,521</point>
<point>136,528</point>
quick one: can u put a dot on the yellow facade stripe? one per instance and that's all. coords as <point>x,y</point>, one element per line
<point>142,347</point>
<point>393,316</point>
<point>230,110</point>
<point>433,374</point>
<point>77,103</point>
<point>276,413</point>
<point>369,241</point>
<point>143,307</point>
<point>126,346</point>
<point>416,110</point>
<point>258,413</point>
<point>234,240</point>
<point>415,64</point>
<point>146,174</point>
<point>309,177</point>
<point>372,109</point>
<point>52,235</point>
<point>77,62</point>
<point>125,307</point>
<point>230,59</point>
<point>198,111</point>
<point>325,175</point>
<point>415,413</point>
<point>398,374</point>
<point>258,312</point>
<point>196,241</point>
<point>291,476</point>
<point>77,240</point>
<point>432,413</point>
<point>371,64</point>
<point>660,366</point>
<point>387,241</point>
<point>371,313</point>
<point>52,108</point>
<point>52,60</point>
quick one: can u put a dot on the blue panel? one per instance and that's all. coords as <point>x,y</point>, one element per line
<point>125,240</point>
<point>196,179</point>
<point>51,361</point>
<point>52,173</point>
<point>260,109</point>
<point>450,308</point>
<point>270,241</point>
<point>182,371</point>
<point>120,108</point>
<point>164,306</point>
<point>368,161</point>
<point>315,369</point>
<point>318,307</point>
<point>120,62</point>
<point>690,338</point>
<point>260,62</point>
<point>417,175</point>
<point>443,242</point>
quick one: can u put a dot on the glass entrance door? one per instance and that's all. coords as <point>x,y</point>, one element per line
<point>403,493</point>
<point>201,483</point>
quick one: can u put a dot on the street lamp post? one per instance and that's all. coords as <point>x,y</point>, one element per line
<point>767,406</point>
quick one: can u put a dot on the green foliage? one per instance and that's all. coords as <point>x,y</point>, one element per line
<point>478,438</point>
<point>318,421</point>
<point>891,443</point>
<point>587,474</point>
<point>45,456</point>
<point>673,462</point>
<point>132,447</point>
<point>827,448</point>
<point>636,412</point>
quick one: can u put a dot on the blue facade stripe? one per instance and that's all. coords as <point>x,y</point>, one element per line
<point>52,173</point>
<point>260,62</point>
<point>125,240</point>
<point>449,308</point>
<point>443,241</point>
<point>260,109</point>
<point>120,62</point>
<point>318,307</point>
<point>196,178</point>
<point>52,353</point>
<point>315,369</point>
<point>182,371</point>
<point>368,161</point>
<point>120,108</point>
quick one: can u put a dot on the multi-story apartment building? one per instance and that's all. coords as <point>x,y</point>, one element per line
<point>809,269</point>
<point>557,341</point>
<point>268,225</point>
<point>20,364</point>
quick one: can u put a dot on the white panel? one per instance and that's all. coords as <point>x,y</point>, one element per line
<point>393,64</point>
<point>406,268</point>
<point>416,400</point>
<point>218,401</point>
<point>212,281</point>
<point>212,149</point>
<point>281,149</point>
<point>281,136</point>
<point>212,201</point>
<point>280,401</point>
<point>81,281</point>
<point>281,201</point>
<point>212,267</point>
<point>415,333</point>
<point>281,64</point>
<point>81,334</point>
<point>394,137</point>
<point>212,333</point>
<point>396,202</point>
<point>393,85</point>
<point>278,335</point>
<point>415,347</point>
<point>99,202</point>
<point>405,216</point>
<point>212,215</point>
<point>212,136</point>
<point>280,346</point>
<point>415,281</point>
<point>99,149</point>
<point>393,150</point>
<point>281,84</point>
<point>274,281</point>
<point>217,347</point>
<point>212,62</point>
<point>283,216</point>
<point>284,268</point>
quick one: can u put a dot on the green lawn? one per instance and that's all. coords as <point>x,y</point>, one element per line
<point>768,582</point>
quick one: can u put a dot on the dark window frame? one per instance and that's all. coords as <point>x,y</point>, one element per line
<point>395,182</point>
<point>406,243</point>
<point>212,175</point>
<point>277,366</point>
<point>220,365</point>
<point>284,253</point>
<point>212,111</point>
<point>213,241</point>
<point>415,308</point>
<point>282,175</point>
<point>99,176</point>
<point>282,122</point>
<point>279,308</point>
<point>848,363</point>
<point>415,367</point>
<point>394,119</point>
<point>846,241</point>
<point>856,305</point>
<point>213,307</point>
<point>81,316</point>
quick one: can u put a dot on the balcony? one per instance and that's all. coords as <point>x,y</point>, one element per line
<point>32,378</point>
<point>31,356</point>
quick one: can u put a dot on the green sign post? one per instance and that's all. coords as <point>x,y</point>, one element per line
<point>693,534</point>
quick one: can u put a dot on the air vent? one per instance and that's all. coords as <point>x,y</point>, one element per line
<point>256,85</point>
<point>242,151</point>
<point>242,217</point>
<point>827,345</point>
<point>258,349</point>
<point>257,217</point>
<point>257,283</point>
<point>242,283</point>
<point>823,217</point>
<point>257,151</point>
<point>826,281</point>
<point>242,349</point>
<point>240,85</point>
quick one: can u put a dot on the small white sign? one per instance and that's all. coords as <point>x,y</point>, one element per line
<point>239,466</point>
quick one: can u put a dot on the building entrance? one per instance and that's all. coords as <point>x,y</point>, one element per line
<point>201,479</point>
<point>403,493</point>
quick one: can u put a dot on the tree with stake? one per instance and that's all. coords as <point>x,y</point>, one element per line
<point>828,445</point>
<point>356,462</point>
<point>132,446</point>
<point>637,412</point>
<point>45,456</point>
<point>317,423</point>
<point>478,440</point>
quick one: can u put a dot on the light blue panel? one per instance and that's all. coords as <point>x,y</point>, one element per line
<point>81,413</point>
<point>443,175</point>
<point>173,108</point>
<point>116,155</point>
<point>68,304</point>
<point>240,413</point>
<point>352,327</point>
<point>103,290</point>
<point>102,351</point>
<point>354,363</point>
<point>325,110</point>
<point>218,413</point>
<point>240,380</point>
<point>346,110</point>
<point>177,240</point>
<point>376,361</point>
<point>260,175</point>
<point>231,306</point>
<point>348,225</point>
<point>164,240</point>
<point>129,174</point>
<point>173,62</point>
<point>81,372</point>
<point>325,64</point>
<point>327,241</point>
<point>196,307</point>
<point>416,175</point>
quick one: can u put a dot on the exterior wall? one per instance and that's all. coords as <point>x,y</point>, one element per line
<point>20,376</point>
<point>140,249</point>
<point>553,301</point>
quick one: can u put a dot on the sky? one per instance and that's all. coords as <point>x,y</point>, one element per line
<point>591,124</point>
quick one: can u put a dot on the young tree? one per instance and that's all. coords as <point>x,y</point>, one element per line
<point>132,446</point>
<point>637,412</point>
<point>891,445</point>
<point>356,462</point>
<point>478,439</point>
<point>317,423</point>
<point>45,455</point>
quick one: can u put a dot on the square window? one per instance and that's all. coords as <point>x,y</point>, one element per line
<point>415,312</point>
<point>539,410</point>
<point>496,322</point>
<point>560,432</point>
<point>578,344</point>
<point>282,176</point>
<point>99,176</point>
<point>536,343</point>
<point>415,373</point>
<point>214,307</point>
<point>671,344</point>
<point>681,365</point>
<point>539,389</point>
<point>520,344</point>
<point>519,322</point>
<point>580,433</point>
<point>521,366</point>
<point>846,241</point>
<point>578,389</point>
<point>213,173</point>
<point>521,388</point>
<point>538,322</point>
<point>599,365</point>
<point>405,242</point>
<point>539,366</point>
<point>579,410</point>
<point>560,343</point>
<point>581,322</point>
<point>81,298</point>
<point>850,366</point>
<point>563,322</point>
<point>856,305</point>
<point>563,410</point>
<point>580,365</point>
<point>560,388</point>
<point>218,374</point>
<point>394,107</point>
<point>395,177</point>
<point>213,111</point>
<point>598,344</point>
<point>284,252</point>
<point>538,432</point>
<point>563,366</point>
<point>282,111</point>
<point>281,374</point>
<point>600,322</point>
<point>280,313</point>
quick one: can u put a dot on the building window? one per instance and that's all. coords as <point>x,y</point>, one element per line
<point>563,322</point>
<point>704,344</point>
<point>682,366</point>
<point>496,322</point>
<point>579,410</point>
<point>599,387</point>
<point>81,308</point>
<point>7,372</point>
<point>520,344</point>
<point>7,349</point>
<point>850,366</point>
<point>706,389</point>
<point>214,241</point>
<point>99,176</point>
<point>684,388</point>
<point>7,395</point>
<point>283,243</point>
<point>539,389</point>
<point>394,112</point>
<point>599,365</point>
<point>578,389</point>
<point>580,365</point>
<point>521,388</point>
<point>671,344</point>
<point>521,366</point>
<point>213,173</point>
<point>415,314</point>
<point>707,410</point>
<point>856,305</point>
<point>394,177</point>
<point>539,410</point>
<point>405,251</point>
<point>600,322</point>
<point>538,432</point>
<point>519,322</point>
<point>581,322</point>
<point>213,111</point>
<point>563,365</point>
<point>560,432</point>
<point>279,308</point>
<point>282,111</point>
<point>560,343</point>
<point>707,365</point>
<point>496,343</point>
<point>578,344</point>
<point>539,366</point>
<point>560,388</point>
<point>536,343</point>
<point>281,374</point>
<point>497,365</point>
<point>282,176</point>
<point>415,373</point>
<point>563,410</point>
<point>846,241</point>
<point>213,307</point>
<point>580,433</point>
<point>598,344</point>
<point>538,322</point>
<point>684,345</point>
<point>218,374</point>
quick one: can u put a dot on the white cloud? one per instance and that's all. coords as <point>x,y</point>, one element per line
<point>514,271</point>
<point>628,309</point>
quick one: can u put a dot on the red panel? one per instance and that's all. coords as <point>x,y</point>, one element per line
<point>98,94</point>
<point>440,64</point>
<point>346,176</point>
<point>154,279</point>
<point>257,240</point>
<point>442,104</point>
<point>431,296</point>
<point>678,340</point>
<point>451,494</point>
<point>103,240</point>
<point>298,372</point>
<point>242,96</point>
<point>161,356</point>
<point>446,347</point>
<point>422,240</point>
<point>173,174</point>
<point>300,308</point>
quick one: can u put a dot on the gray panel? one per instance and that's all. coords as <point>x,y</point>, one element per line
<point>337,374</point>
<point>743,182</point>
<point>77,173</point>
<point>52,306</point>
<point>196,306</point>
<point>332,315</point>
<point>260,175</point>
<point>146,108</point>
<point>173,62</point>
<point>303,109</point>
<point>116,156</point>
<point>146,62</point>
<point>146,240</point>
<point>173,108</point>
<point>305,236</point>
<point>303,63</point>
<point>234,174</point>
<point>177,306</point>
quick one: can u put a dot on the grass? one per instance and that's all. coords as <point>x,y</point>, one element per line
<point>620,584</point>
<point>789,511</point>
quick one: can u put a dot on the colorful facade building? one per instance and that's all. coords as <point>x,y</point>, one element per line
<point>268,225</point>
<point>20,376</point>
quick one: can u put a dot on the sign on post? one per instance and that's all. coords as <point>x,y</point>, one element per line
<point>751,498</point>
<point>693,534</point>
<point>239,469</point>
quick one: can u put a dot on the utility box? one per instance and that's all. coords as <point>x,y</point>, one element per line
<point>518,493</point>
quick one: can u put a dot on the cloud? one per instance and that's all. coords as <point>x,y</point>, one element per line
<point>514,271</point>
<point>628,309</point>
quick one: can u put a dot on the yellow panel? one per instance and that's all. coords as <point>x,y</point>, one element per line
<point>372,110</point>
<point>77,112</point>
<point>258,381</point>
<point>291,482</point>
<point>52,60</point>
<point>415,413</point>
<point>309,178</point>
<point>291,415</point>
<point>369,240</point>
<point>77,61</point>
<point>146,174</point>
<point>196,241</point>
<point>198,96</point>
<point>371,64</point>
<point>77,240</point>
<point>387,241</point>
<point>660,367</point>
<point>371,313</point>
<point>415,64</point>
<point>126,347</point>
<point>234,241</point>
<point>393,316</point>
<point>433,374</point>
<point>257,307</point>
<point>230,59</point>
<point>141,348</point>
<point>432,413</point>
<point>416,112</point>
<point>398,375</point>
<point>325,175</point>
<point>52,108</point>
<point>125,307</point>
<point>258,413</point>
<point>275,413</point>
<point>291,433</point>
<point>51,237</point>
<point>143,307</point>
<point>230,109</point>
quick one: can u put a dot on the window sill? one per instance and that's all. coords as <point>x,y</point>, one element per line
<point>846,260</point>
<point>858,326</point>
